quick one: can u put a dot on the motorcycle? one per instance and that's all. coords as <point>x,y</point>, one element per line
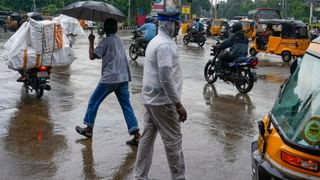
<point>36,79</point>
<point>195,37</point>
<point>134,50</point>
<point>239,72</point>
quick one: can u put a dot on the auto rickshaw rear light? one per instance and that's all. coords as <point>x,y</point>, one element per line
<point>300,162</point>
<point>42,68</point>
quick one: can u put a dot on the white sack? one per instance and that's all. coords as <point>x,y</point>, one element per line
<point>69,25</point>
<point>42,35</point>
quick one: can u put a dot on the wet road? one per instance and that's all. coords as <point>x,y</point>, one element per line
<point>38,141</point>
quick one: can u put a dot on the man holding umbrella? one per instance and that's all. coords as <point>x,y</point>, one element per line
<point>115,75</point>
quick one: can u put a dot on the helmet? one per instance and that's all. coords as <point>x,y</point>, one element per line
<point>236,26</point>
<point>197,19</point>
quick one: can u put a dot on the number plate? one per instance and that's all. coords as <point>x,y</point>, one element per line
<point>42,74</point>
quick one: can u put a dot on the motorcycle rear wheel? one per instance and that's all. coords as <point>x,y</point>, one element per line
<point>210,72</point>
<point>248,84</point>
<point>201,43</point>
<point>186,39</point>
<point>39,92</point>
<point>133,52</point>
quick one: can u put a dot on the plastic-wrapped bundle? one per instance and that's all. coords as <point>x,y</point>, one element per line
<point>21,53</point>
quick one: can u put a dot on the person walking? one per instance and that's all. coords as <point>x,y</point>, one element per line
<point>161,92</point>
<point>115,75</point>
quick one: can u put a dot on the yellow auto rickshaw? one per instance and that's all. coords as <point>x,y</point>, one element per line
<point>288,38</point>
<point>248,28</point>
<point>216,25</point>
<point>288,143</point>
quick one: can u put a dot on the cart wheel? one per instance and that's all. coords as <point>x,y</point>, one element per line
<point>286,56</point>
<point>252,52</point>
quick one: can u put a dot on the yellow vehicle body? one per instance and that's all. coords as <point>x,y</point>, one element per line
<point>288,46</point>
<point>216,26</point>
<point>248,28</point>
<point>276,155</point>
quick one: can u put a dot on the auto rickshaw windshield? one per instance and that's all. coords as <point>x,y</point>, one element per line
<point>297,110</point>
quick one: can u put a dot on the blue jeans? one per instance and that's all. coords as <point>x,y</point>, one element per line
<point>122,93</point>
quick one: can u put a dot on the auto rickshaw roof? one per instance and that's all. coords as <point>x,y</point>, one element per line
<point>282,21</point>
<point>314,47</point>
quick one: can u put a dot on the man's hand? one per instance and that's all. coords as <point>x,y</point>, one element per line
<point>91,38</point>
<point>181,111</point>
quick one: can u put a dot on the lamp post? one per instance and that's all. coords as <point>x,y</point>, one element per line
<point>129,12</point>
<point>34,6</point>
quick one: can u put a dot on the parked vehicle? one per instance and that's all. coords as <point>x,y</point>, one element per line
<point>288,38</point>
<point>195,37</point>
<point>288,143</point>
<point>134,50</point>
<point>37,79</point>
<point>239,72</point>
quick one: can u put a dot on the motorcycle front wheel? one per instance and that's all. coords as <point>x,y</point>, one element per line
<point>246,83</point>
<point>186,39</point>
<point>210,72</point>
<point>133,52</point>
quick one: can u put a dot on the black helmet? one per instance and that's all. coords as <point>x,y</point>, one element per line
<point>236,26</point>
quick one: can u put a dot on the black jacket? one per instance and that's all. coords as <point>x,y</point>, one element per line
<point>238,44</point>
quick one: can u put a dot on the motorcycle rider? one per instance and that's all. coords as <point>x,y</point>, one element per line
<point>238,44</point>
<point>149,29</point>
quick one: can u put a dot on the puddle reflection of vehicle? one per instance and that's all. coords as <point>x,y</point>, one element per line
<point>31,141</point>
<point>230,120</point>
<point>288,143</point>
<point>239,101</point>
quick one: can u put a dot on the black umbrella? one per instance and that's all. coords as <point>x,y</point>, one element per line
<point>93,11</point>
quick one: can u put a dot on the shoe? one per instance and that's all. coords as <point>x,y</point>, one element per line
<point>21,79</point>
<point>87,132</point>
<point>135,140</point>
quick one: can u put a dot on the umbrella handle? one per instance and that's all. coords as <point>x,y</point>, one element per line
<point>91,30</point>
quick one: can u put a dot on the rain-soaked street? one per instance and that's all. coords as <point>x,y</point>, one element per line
<point>38,140</point>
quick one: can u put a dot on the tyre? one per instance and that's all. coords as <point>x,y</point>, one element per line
<point>246,83</point>
<point>252,52</point>
<point>133,52</point>
<point>210,72</point>
<point>202,42</point>
<point>186,39</point>
<point>286,56</point>
<point>39,92</point>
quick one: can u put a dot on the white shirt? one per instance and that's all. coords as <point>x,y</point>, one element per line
<point>162,76</point>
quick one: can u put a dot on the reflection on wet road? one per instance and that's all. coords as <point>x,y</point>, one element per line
<point>38,141</point>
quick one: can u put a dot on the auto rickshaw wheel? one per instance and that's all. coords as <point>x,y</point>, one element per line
<point>286,56</point>
<point>252,52</point>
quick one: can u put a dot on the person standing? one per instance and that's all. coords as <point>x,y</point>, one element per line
<point>161,92</point>
<point>115,75</point>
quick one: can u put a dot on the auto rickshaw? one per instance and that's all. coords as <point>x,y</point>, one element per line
<point>288,143</point>
<point>13,22</point>
<point>216,26</point>
<point>248,28</point>
<point>287,38</point>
